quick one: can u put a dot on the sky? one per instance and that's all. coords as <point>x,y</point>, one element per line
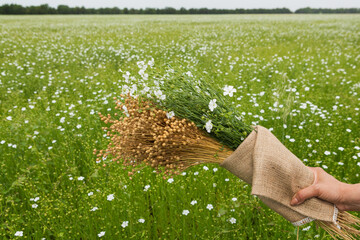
<point>227,4</point>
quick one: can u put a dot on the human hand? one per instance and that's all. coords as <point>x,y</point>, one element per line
<point>346,197</point>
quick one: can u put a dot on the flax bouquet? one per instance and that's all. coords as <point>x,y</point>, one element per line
<point>179,131</point>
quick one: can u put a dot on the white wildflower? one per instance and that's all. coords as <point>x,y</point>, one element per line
<point>185,212</point>
<point>209,206</point>
<point>125,224</point>
<point>229,90</point>
<point>212,104</point>
<point>169,115</point>
<point>208,126</point>
<point>110,197</point>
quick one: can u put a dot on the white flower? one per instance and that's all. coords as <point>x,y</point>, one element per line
<point>327,152</point>
<point>348,130</point>
<point>215,169</point>
<point>94,209</point>
<point>90,193</point>
<point>78,126</point>
<point>110,197</point>
<point>19,233</point>
<point>71,178</point>
<point>208,126</point>
<point>306,228</point>
<point>170,114</point>
<point>146,187</point>
<point>196,173</point>
<point>170,180</point>
<point>232,220</point>
<point>193,202</point>
<point>307,88</point>
<point>34,205</point>
<point>125,224</point>
<point>209,206</point>
<point>292,140</point>
<point>81,178</point>
<point>185,212</point>
<point>2,142</point>
<point>226,179</point>
<point>341,148</point>
<point>234,199</point>
<point>9,118</point>
<point>141,220</point>
<point>159,94</point>
<point>212,104</point>
<point>36,199</point>
<point>101,234</point>
<point>229,90</point>
<point>205,168</point>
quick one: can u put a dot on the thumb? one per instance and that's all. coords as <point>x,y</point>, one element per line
<point>303,194</point>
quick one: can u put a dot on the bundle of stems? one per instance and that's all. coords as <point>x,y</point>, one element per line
<point>169,135</point>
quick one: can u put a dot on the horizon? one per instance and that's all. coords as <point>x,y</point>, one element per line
<point>187,4</point>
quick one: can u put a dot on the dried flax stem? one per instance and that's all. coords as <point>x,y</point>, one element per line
<point>346,227</point>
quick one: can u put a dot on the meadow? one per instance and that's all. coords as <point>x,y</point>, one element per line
<point>298,75</point>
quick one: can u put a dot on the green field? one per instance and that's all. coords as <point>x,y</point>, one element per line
<point>296,74</point>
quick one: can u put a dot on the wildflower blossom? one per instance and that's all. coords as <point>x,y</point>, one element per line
<point>34,205</point>
<point>169,115</point>
<point>94,209</point>
<point>125,224</point>
<point>185,212</point>
<point>170,180</point>
<point>9,118</point>
<point>327,152</point>
<point>141,220</point>
<point>232,220</point>
<point>208,126</point>
<point>229,90</point>
<point>146,187</point>
<point>212,104</point>
<point>193,202</point>
<point>209,206</point>
<point>90,193</point>
<point>19,234</point>
<point>110,197</point>
<point>101,234</point>
<point>81,178</point>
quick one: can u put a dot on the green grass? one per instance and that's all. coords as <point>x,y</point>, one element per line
<point>63,70</point>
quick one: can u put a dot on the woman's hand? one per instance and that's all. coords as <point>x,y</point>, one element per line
<point>346,197</point>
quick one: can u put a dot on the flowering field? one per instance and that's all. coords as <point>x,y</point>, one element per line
<point>298,75</point>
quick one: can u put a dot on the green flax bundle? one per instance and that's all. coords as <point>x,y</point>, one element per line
<point>169,136</point>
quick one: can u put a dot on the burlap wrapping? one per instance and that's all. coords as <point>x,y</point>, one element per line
<point>276,175</point>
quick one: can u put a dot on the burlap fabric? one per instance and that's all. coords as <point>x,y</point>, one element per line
<point>276,175</point>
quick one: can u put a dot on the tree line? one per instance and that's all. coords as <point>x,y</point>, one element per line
<point>64,9</point>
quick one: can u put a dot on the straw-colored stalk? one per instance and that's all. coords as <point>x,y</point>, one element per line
<point>346,227</point>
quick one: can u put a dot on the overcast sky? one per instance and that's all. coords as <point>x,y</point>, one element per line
<point>230,4</point>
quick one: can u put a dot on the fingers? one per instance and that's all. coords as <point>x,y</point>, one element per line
<point>304,194</point>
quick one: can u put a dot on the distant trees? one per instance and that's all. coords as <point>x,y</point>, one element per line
<point>328,10</point>
<point>64,9</point>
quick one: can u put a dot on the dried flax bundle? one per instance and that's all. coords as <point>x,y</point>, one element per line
<point>149,135</point>
<point>146,134</point>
